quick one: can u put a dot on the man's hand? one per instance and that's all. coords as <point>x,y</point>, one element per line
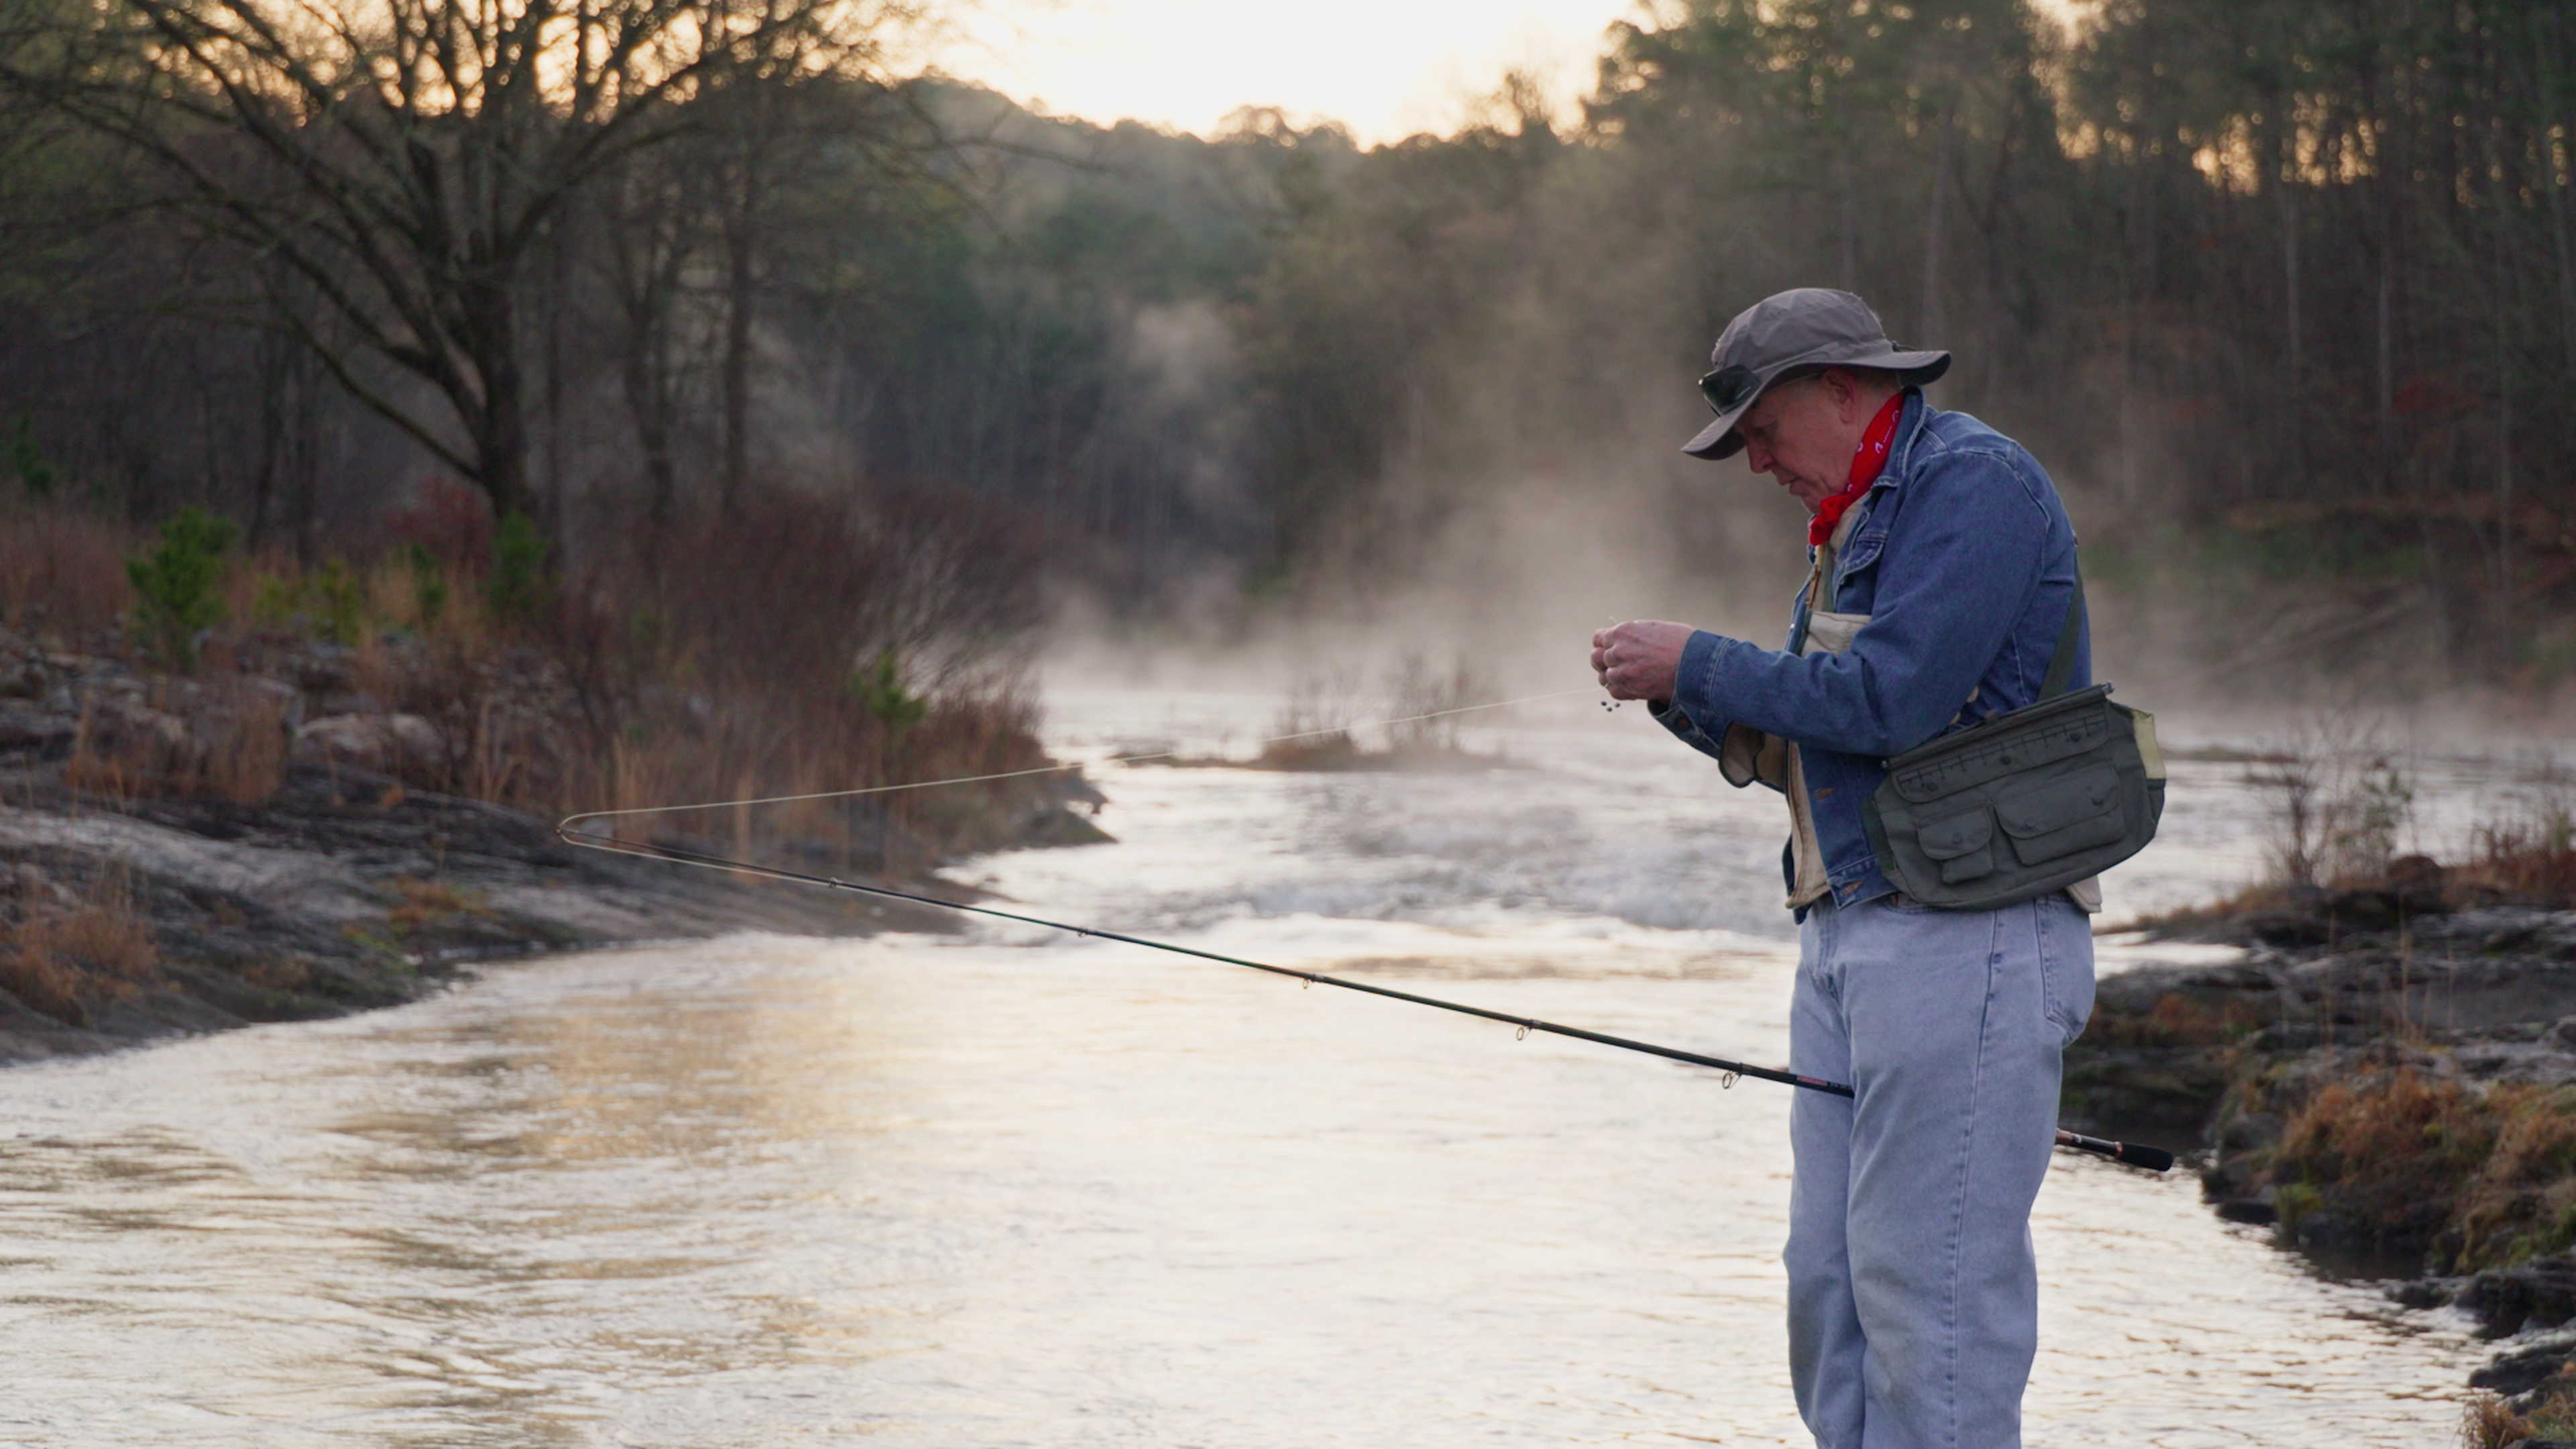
<point>1638,659</point>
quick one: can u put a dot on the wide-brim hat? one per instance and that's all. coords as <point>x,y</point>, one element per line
<point>1796,333</point>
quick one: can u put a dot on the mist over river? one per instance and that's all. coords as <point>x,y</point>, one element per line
<point>1008,1187</point>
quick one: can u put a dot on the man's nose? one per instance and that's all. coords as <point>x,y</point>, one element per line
<point>1757,457</point>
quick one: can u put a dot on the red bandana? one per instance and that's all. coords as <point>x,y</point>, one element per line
<point>1864,471</point>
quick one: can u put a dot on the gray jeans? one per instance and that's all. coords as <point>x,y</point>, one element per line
<point>1913,1293</point>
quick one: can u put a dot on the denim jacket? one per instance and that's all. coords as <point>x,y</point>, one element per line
<point>1964,561</point>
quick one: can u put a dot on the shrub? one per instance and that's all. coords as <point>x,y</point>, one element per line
<point>63,566</point>
<point>38,477</point>
<point>428,585</point>
<point>341,598</point>
<point>276,600</point>
<point>2339,803</point>
<point>450,520</point>
<point>516,585</point>
<point>175,585</point>
<point>879,690</point>
<point>1414,689</point>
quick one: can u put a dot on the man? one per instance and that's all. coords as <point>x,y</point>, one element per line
<point>1943,567</point>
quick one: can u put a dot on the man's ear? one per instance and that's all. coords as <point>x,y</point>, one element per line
<point>1844,389</point>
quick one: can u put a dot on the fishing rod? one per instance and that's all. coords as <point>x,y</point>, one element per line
<point>2154,1159</point>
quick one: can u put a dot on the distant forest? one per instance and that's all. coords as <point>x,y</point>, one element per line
<point>2284,291</point>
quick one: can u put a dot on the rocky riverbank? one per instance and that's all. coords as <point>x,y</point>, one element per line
<point>182,854</point>
<point>2386,1078</point>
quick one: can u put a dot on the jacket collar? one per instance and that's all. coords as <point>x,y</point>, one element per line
<point>1909,431</point>
<point>1900,457</point>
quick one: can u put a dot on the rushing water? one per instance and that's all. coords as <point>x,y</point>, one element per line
<point>1011,1188</point>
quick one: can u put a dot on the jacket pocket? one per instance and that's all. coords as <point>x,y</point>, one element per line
<point>1963,845</point>
<point>1859,560</point>
<point>2078,811</point>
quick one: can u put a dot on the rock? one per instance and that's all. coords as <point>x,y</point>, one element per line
<point>2523,1370</point>
<point>285,698</point>
<point>22,676</point>
<point>399,745</point>
<point>2417,875</point>
<point>2248,1131</point>
<point>2423,1293</point>
<point>319,668</point>
<point>31,727</point>
<point>2288,927</point>
<point>1056,826</point>
<point>130,731</point>
<point>2537,1294</point>
<point>33,890</point>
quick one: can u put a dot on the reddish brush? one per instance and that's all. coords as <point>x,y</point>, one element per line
<point>64,564</point>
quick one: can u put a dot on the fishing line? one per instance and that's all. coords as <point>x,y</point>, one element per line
<point>2154,1159</point>
<point>1055,769</point>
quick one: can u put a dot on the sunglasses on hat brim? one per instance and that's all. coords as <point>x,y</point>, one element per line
<point>1730,387</point>
<point>1734,385</point>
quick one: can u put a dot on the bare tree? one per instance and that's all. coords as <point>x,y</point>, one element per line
<point>403,160</point>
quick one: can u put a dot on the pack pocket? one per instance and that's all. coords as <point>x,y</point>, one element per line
<point>1963,844</point>
<point>2079,811</point>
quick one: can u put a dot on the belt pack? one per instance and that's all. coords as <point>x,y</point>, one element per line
<point>2023,804</point>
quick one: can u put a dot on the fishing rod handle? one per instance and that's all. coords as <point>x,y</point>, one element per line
<point>2135,1154</point>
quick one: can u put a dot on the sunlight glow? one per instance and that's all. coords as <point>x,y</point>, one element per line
<point>1386,69</point>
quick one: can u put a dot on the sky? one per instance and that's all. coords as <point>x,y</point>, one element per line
<point>1385,68</point>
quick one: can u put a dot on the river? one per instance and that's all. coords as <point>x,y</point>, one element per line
<point>1006,1187</point>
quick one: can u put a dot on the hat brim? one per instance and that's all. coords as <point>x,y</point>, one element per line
<point>1718,439</point>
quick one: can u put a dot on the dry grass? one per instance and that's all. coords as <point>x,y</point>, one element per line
<point>2529,852</point>
<point>2177,1020</point>
<point>803,646</point>
<point>424,902</point>
<point>245,760</point>
<point>2381,1158</point>
<point>62,569</point>
<point>45,984</point>
<point>2398,1161</point>
<point>277,975</point>
<point>62,960</point>
<point>100,767</point>
<point>227,738</point>
<point>2487,1422</point>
